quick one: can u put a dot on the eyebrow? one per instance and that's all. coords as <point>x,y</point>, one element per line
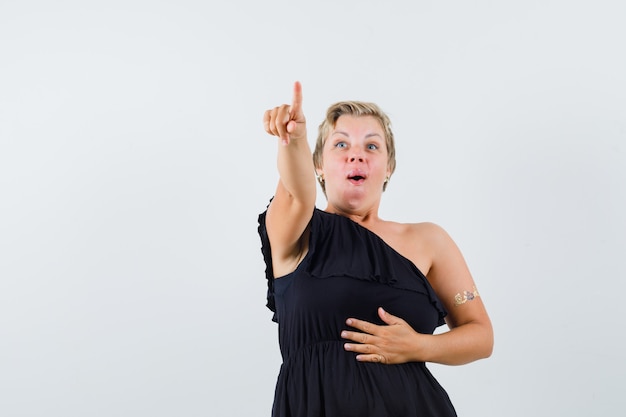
<point>369,135</point>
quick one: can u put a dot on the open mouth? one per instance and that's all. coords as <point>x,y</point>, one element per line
<point>356,176</point>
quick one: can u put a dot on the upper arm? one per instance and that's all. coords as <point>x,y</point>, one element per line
<point>449,276</point>
<point>286,222</point>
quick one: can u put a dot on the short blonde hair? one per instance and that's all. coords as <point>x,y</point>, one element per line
<point>354,108</point>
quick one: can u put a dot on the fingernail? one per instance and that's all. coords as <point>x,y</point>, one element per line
<point>344,334</point>
<point>349,321</point>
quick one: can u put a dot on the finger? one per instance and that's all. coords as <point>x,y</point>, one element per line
<point>362,325</point>
<point>366,352</point>
<point>389,318</point>
<point>356,336</point>
<point>274,122</point>
<point>267,117</point>
<point>281,120</point>
<point>360,348</point>
<point>291,125</point>
<point>377,358</point>
<point>296,103</point>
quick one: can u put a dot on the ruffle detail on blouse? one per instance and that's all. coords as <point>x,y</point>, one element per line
<point>267,257</point>
<point>342,247</point>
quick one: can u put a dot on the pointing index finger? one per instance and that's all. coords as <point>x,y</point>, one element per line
<point>296,104</point>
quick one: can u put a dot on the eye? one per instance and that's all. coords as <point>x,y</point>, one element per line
<point>372,147</point>
<point>341,145</point>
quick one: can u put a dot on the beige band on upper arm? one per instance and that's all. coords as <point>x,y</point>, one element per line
<point>465,296</point>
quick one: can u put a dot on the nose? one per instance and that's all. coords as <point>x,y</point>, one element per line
<point>356,156</point>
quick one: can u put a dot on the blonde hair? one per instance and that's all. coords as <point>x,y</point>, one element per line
<point>354,108</point>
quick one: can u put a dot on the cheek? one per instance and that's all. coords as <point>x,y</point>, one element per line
<point>331,163</point>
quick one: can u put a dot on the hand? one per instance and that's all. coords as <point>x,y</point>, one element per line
<point>287,122</point>
<point>393,343</point>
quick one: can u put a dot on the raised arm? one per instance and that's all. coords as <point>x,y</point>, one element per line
<point>294,201</point>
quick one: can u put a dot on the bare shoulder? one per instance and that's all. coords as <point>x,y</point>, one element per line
<point>448,272</point>
<point>419,242</point>
<point>427,230</point>
<point>430,234</point>
<point>427,234</point>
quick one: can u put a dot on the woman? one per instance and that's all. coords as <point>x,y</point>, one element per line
<point>357,298</point>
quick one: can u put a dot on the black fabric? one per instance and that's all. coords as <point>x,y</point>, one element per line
<point>349,272</point>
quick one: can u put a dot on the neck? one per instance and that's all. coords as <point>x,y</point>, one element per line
<point>364,216</point>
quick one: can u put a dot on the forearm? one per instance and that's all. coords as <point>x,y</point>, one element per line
<point>297,174</point>
<point>461,345</point>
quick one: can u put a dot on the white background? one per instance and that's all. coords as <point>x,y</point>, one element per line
<point>133,165</point>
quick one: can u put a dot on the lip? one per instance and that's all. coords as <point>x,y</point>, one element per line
<point>356,176</point>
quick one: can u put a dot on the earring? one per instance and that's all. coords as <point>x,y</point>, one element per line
<point>320,178</point>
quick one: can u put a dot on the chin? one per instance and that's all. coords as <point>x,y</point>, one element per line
<point>353,201</point>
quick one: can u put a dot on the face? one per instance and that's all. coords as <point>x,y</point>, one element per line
<point>354,163</point>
